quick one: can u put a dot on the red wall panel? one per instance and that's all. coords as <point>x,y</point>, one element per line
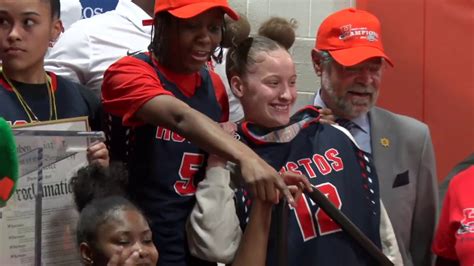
<point>431,44</point>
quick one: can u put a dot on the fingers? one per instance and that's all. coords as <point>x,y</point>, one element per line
<point>268,190</point>
<point>128,257</point>
<point>296,191</point>
<point>262,180</point>
<point>325,111</point>
<point>265,190</point>
<point>280,184</point>
<point>116,258</point>
<point>98,153</point>
<point>292,178</point>
<point>327,116</point>
<point>306,184</point>
<point>277,200</point>
<point>96,147</point>
<point>327,121</point>
<point>298,194</point>
<point>132,259</point>
<point>271,193</point>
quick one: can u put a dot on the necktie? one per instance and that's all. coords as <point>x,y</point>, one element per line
<point>348,124</point>
<point>359,134</point>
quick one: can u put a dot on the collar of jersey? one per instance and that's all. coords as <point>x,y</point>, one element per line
<point>301,119</point>
<point>186,83</point>
<point>54,82</point>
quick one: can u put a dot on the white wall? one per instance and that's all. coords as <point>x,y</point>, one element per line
<point>309,14</point>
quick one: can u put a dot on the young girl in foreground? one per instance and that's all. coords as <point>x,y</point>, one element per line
<point>111,230</point>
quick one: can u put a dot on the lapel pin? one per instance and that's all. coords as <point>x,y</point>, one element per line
<point>385,142</point>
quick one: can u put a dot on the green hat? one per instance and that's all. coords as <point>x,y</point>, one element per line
<point>8,162</point>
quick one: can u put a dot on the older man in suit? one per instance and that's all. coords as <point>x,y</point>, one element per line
<point>349,57</point>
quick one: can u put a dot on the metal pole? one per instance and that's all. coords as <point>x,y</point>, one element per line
<point>39,209</point>
<point>350,228</point>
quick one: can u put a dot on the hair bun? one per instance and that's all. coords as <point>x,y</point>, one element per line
<point>96,182</point>
<point>280,30</point>
<point>235,31</point>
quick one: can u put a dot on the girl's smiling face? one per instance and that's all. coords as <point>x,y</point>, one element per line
<point>268,90</point>
<point>126,231</point>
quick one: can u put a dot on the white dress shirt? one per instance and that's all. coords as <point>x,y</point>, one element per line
<point>361,133</point>
<point>90,46</point>
<point>71,11</point>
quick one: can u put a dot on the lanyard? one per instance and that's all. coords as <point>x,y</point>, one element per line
<point>53,114</point>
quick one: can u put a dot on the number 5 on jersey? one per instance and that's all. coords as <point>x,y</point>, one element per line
<point>190,164</point>
<point>307,221</point>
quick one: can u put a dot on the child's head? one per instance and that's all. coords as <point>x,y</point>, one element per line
<point>262,75</point>
<point>187,32</point>
<point>108,222</point>
<point>26,30</point>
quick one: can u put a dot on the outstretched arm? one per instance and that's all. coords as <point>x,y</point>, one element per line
<point>167,111</point>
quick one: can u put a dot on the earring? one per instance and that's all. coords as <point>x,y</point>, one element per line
<point>52,42</point>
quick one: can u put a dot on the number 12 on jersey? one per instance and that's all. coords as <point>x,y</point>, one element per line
<point>308,221</point>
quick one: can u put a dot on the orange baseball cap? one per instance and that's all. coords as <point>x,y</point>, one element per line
<point>189,8</point>
<point>351,36</point>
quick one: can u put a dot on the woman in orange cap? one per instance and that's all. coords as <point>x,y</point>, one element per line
<point>169,99</point>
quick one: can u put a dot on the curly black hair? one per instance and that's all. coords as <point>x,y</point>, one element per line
<point>99,193</point>
<point>95,182</point>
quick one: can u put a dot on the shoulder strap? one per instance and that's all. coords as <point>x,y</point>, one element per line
<point>146,57</point>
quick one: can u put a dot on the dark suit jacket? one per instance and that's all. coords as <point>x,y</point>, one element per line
<point>405,163</point>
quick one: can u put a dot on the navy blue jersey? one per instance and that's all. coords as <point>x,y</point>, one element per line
<point>165,169</point>
<point>72,100</point>
<point>337,168</point>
